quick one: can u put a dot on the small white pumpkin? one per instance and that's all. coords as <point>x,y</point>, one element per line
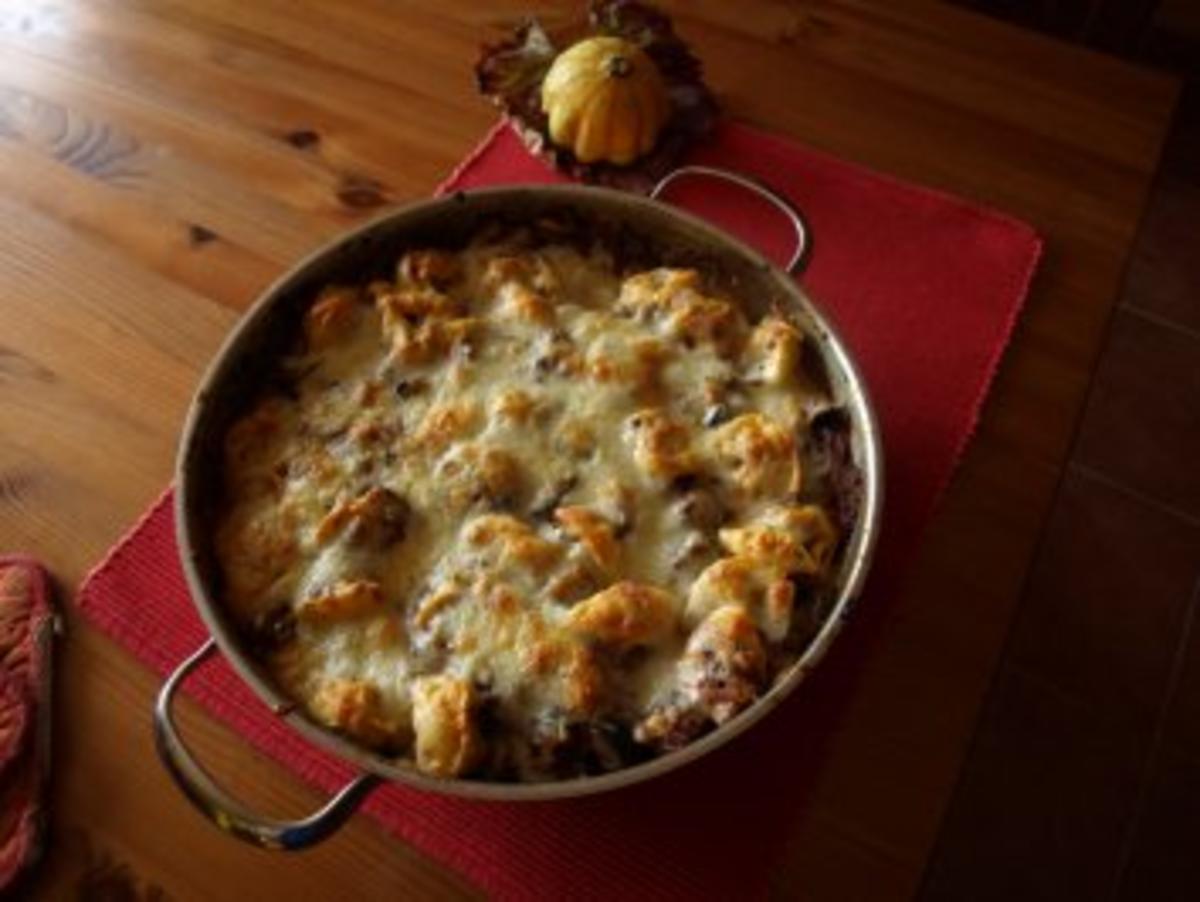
<point>606,101</point>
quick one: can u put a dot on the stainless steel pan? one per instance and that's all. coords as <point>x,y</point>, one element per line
<point>670,237</point>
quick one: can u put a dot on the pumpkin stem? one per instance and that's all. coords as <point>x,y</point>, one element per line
<point>618,66</point>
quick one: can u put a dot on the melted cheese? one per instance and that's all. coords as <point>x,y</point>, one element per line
<point>498,497</point>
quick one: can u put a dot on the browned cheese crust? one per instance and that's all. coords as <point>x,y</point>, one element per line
<point>522,516</point>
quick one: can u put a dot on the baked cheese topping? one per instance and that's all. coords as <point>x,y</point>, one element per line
<point>520,516</point>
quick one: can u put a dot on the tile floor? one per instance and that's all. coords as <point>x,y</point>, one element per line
<point>1084,778</point>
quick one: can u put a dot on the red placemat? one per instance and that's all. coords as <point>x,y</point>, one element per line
<point>925,288</point>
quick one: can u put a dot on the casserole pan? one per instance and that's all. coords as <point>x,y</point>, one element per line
<point>647,227</point>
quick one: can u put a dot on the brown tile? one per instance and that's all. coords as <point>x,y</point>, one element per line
<point>1043,803</point>
<point>1142,424</point>
<point>1164,272</point>
<point>1107,598</point>
<point>1164,865</point>
<point>1183,143</point>
<point>1183,717</point>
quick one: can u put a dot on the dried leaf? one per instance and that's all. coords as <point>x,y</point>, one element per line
<point>652,31</point>
<point>511,72</point>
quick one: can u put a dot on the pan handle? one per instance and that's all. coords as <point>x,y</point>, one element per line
<point>799,260</point>
<point>221,808</point>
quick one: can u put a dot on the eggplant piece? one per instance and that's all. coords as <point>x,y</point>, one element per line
<point>565,748</point>
<point>273,629</point>
<point>832,459</point>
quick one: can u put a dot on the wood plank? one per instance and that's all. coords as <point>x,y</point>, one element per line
<point>182,251</point>
<point>273,96</point>
<point>260,193</point>
<point>1020,82</point>
<point>112,816</point>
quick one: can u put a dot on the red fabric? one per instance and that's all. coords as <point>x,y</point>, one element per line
<point>926,289</point>
<point>25,617</point>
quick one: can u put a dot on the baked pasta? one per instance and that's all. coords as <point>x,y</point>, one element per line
<point>523,513</point>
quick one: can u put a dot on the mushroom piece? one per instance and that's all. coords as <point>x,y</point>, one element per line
<point>552,494</point>
<point>698,506</point>
<point>695,553</point>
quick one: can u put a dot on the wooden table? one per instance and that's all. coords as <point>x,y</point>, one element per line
<point>161,160</point>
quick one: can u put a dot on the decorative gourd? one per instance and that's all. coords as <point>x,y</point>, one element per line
<point>605,100</point>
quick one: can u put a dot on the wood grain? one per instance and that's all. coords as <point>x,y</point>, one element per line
<point>161,160</point>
